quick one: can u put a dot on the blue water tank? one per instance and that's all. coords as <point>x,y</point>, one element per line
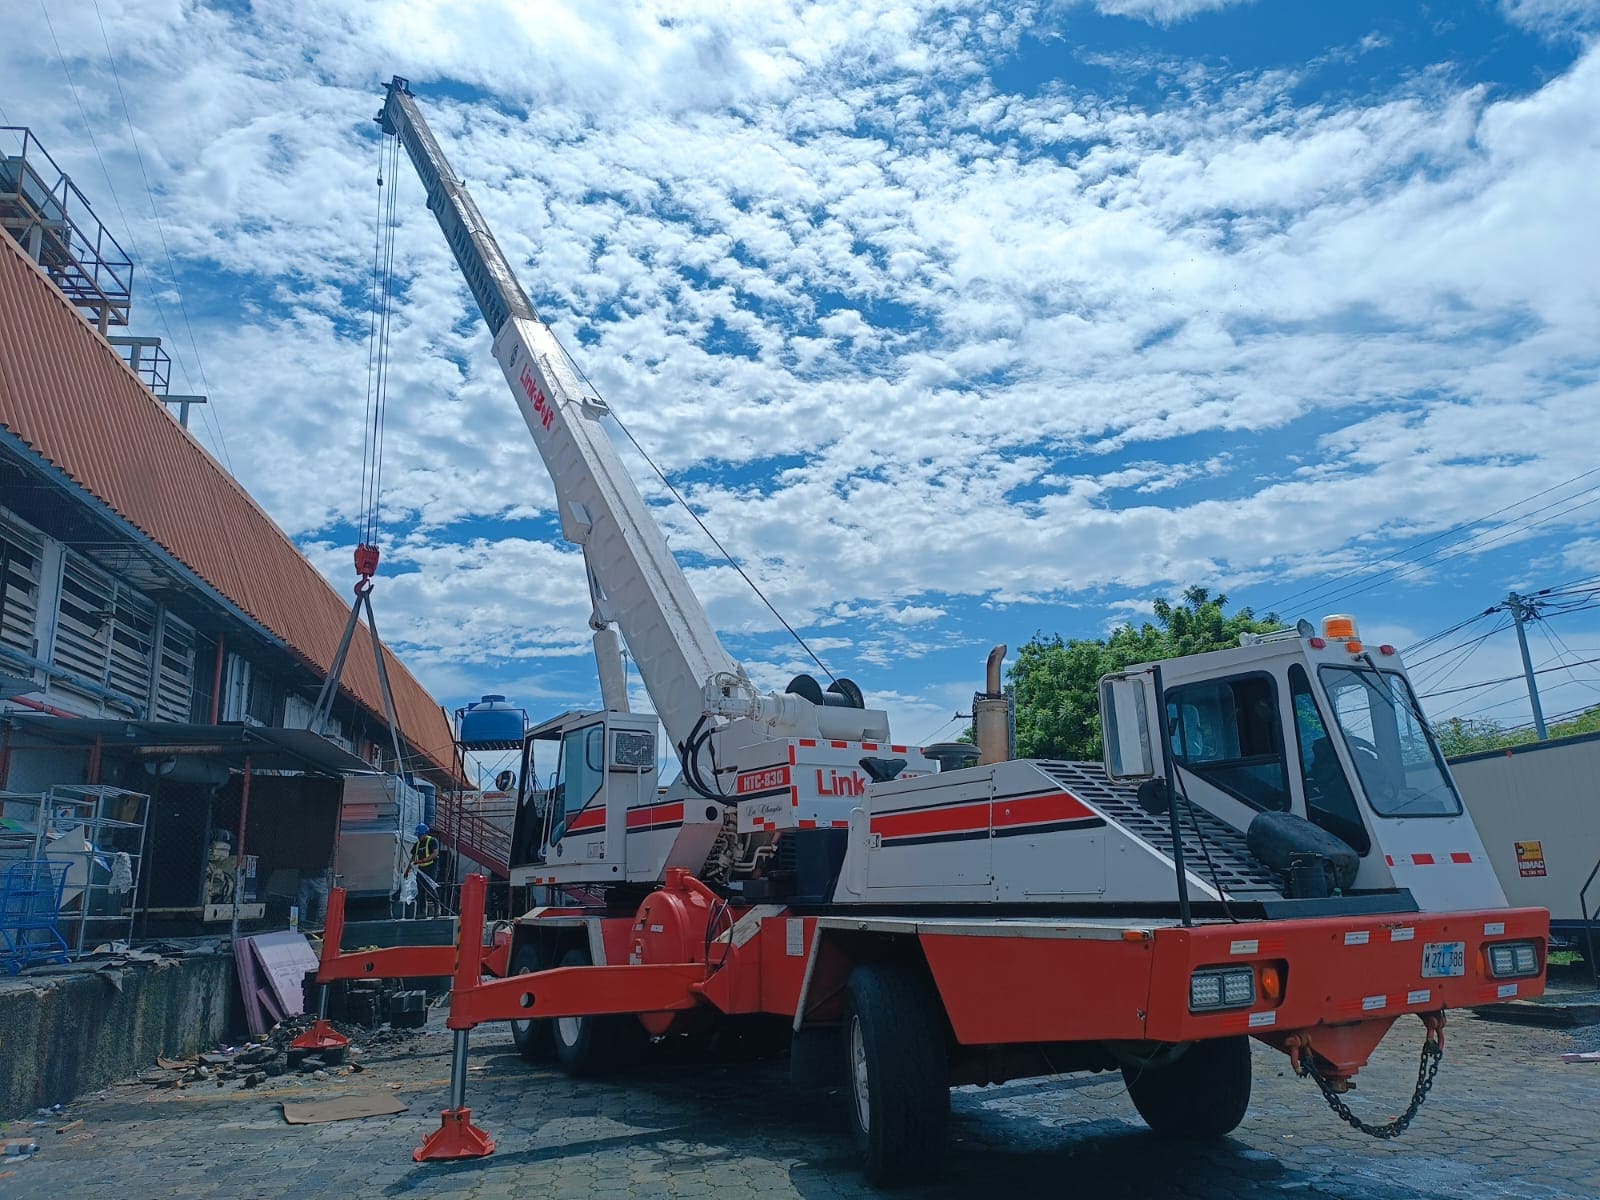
<point>491,724</point>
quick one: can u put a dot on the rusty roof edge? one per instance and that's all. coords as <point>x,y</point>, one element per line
<point>102,346</point>
<point>105,346</point>
<point>194,579</point>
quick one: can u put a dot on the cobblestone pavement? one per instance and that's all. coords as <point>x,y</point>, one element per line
<point>1507,1118</point>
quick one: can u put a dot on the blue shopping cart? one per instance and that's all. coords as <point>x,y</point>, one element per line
<point>30,909</point>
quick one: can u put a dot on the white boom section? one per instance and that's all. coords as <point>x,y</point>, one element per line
<point>640,584</point>
<point>666,629</point>
<point>634,579</point>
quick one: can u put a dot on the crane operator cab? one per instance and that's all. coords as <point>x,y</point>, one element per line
<point>589,809</point>
<point>1303,729</point>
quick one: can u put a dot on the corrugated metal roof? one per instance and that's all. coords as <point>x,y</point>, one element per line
<point>67,394</point>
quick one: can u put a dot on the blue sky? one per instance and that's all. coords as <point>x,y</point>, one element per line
<point>957,322</point>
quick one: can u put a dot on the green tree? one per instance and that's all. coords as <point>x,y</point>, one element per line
<point>1461,735</point>
<point>1056,682</point>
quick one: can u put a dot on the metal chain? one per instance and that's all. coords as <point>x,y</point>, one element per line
<point>1427,1070</point>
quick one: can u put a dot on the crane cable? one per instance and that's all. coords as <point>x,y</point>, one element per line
<point>381,293</point>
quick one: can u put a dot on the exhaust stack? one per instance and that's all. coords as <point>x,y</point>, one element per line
<point>991,714</point>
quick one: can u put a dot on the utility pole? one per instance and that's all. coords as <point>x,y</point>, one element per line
<point>1522,609</point>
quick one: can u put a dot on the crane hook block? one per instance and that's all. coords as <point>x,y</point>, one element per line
<point>366,560</point>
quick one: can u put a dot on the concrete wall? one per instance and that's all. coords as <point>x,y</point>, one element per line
<point>63,1035</point>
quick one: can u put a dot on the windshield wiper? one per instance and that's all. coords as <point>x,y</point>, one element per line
<point>1385,692</point>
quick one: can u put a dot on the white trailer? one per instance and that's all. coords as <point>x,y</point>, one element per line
<point>1537,808</point>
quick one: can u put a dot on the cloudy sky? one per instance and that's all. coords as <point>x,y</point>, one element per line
<point>955,321</point>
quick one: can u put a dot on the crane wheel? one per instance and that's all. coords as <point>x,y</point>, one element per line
<point>535,1039</point>
<point>897,1072</point>
<point>1201,1093</point>
<point>594,1045</point>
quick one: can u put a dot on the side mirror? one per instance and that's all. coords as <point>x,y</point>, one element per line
<point>1128,725</point>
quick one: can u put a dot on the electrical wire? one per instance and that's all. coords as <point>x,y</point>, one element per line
<point>1564,651</point>
<point>1480,543</point>
<point>1467,687</point>
<point>1318,593</point>
<point>1408,651</point>
<point>1439,674</point>
<point>928,741</point>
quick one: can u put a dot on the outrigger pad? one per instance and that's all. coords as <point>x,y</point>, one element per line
<point>456,1137</point>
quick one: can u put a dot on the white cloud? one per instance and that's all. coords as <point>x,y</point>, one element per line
<point>1553,18</point>
<point>909,340</point>
<point>1161,12</point>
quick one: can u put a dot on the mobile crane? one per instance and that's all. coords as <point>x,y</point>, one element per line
<point>1272,848</point>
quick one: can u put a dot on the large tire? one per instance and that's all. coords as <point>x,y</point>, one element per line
<point>1202,1093</point>
<point>594,1045</point>
<point>535,1039</point>
<point>897,1072</point>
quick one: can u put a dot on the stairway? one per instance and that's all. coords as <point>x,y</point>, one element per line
<point>480,831</point>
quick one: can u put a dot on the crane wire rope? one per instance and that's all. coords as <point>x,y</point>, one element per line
<point>678,496</point>
<point>379,332</point>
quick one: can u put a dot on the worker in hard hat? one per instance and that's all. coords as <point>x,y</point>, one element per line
<point>423,861</point>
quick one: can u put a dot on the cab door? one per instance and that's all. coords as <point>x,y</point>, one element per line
<point>581,831</point>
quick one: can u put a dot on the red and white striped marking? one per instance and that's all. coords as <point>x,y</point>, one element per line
<point>1429,859</point>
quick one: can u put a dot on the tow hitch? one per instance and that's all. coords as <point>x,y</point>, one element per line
<point>1332,1085</point>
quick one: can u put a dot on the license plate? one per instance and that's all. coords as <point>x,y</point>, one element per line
<point>1441,960</point>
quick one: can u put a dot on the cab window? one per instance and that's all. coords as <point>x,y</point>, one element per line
<point>1228,733</point>
<point>1330,802</point>
<point>1401,767</point>
<point>582,768</point>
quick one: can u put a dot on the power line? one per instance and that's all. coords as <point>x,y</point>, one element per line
<point>1555,720</point>
<point>1476,544</point>
<point>1439,675</point>
<point>1467,687</point>
<point>928,741</point>
<point>1563,650</point>
<point>1409,650</point>
<point>1318,591</point>
<point>207,412</point>
<point>1429,640</point>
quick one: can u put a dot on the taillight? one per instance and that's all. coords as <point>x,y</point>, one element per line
<point>1513,960</point>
